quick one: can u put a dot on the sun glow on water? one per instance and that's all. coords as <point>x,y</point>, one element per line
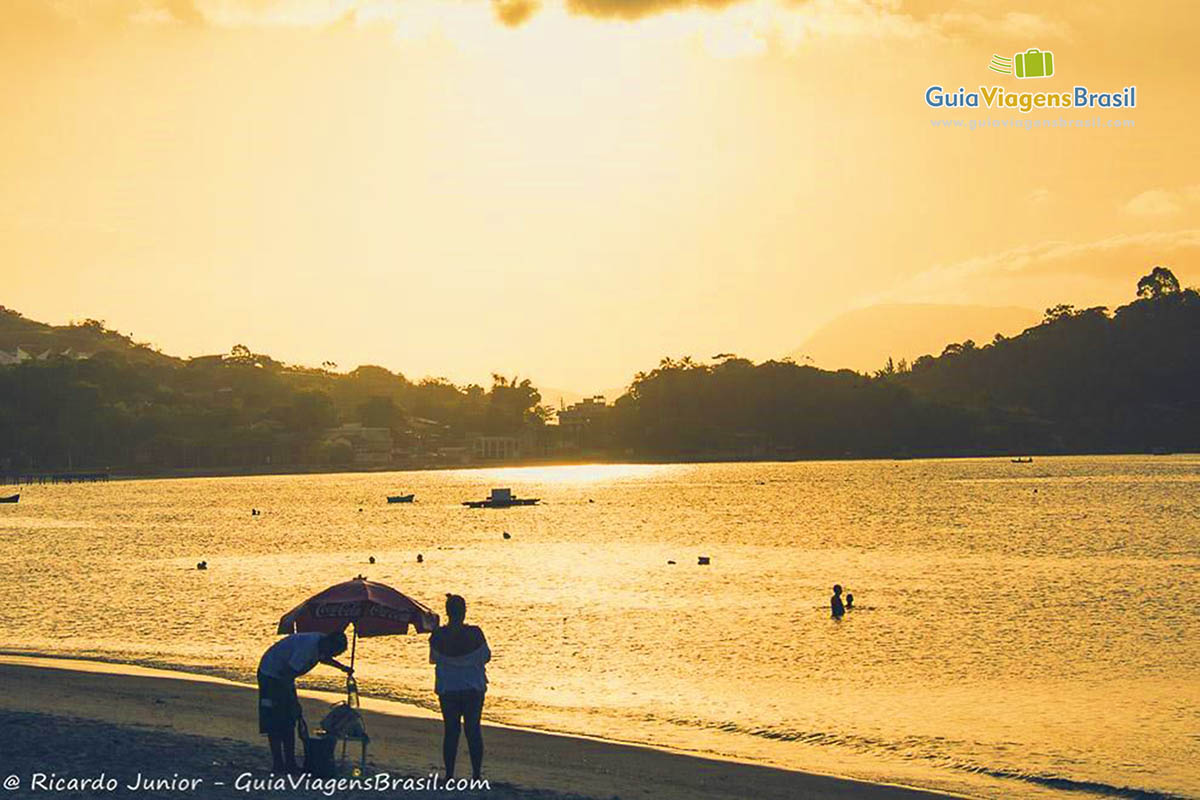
<point>570,473</point>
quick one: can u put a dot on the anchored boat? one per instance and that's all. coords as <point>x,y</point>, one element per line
<point>502,498</point>
<point>401,498</point>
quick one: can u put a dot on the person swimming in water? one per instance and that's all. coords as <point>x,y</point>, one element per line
<point>836,607</point>
<point>849,601</point>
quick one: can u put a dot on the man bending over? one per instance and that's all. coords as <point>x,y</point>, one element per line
<point>278,705</point>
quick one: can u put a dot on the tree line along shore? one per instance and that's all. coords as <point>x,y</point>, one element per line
<point>1085,380</point>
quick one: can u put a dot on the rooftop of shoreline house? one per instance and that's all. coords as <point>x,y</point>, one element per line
<point>20,355</point>
<point>583,410</point>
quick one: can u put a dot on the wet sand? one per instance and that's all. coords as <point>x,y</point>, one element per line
<point>77,719</point>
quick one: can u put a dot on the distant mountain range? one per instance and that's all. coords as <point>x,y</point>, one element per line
<point>864,339</point>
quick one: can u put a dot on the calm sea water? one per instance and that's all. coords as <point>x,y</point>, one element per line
<point>1023,630</point>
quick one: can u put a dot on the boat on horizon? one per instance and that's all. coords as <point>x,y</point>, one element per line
<point>1024,460</point>
<point>400,498</point>
<point>12,498</point>
<point>502,498</point>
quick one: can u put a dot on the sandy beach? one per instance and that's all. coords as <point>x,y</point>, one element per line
<point>78,719</point>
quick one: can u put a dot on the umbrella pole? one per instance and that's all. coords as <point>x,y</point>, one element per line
<point>353,647</point>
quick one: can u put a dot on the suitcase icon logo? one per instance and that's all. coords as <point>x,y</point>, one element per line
<point>1033,63</point>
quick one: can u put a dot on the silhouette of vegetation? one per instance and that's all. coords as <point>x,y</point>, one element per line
<point>1161,281</point>
<point>1084,380</point>
<point>118,409</point>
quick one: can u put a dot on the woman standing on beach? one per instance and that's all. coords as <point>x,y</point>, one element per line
<point>458,652</point>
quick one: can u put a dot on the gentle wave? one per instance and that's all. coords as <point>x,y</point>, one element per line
<point>1072,785</point>
<point>923,749</point>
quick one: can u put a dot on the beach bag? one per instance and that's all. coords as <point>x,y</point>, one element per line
<point>319,760</point>
<point>343,720</point>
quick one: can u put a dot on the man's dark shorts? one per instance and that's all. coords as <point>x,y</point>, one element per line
<point>278,705</point>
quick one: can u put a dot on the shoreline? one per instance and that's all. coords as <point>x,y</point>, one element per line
<point>404,738</point>
<point>303,470</point>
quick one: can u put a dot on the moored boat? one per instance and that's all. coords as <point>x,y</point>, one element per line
<point>401,498</point>
<point>12,498</point>
<point>502,498</point>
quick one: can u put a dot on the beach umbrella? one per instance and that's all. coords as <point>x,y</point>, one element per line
<point>373,609</point>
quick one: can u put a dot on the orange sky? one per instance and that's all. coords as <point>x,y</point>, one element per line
<point>569,191</point>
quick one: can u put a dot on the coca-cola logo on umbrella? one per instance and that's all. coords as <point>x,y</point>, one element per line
<point>383,612</point>
<point>355,610</point>
<point>352,610</point>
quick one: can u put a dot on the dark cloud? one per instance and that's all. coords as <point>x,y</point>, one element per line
<point>515,12</point>
<point>636,9</point>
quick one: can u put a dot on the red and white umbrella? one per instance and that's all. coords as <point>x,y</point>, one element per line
<point>374,609</point>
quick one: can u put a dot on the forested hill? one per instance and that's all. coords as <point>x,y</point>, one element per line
<point>1084,380</point>
<point>83,396</point>
<point>85,338</point>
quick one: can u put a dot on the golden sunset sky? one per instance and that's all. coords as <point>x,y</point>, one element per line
<point>571,192</point>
